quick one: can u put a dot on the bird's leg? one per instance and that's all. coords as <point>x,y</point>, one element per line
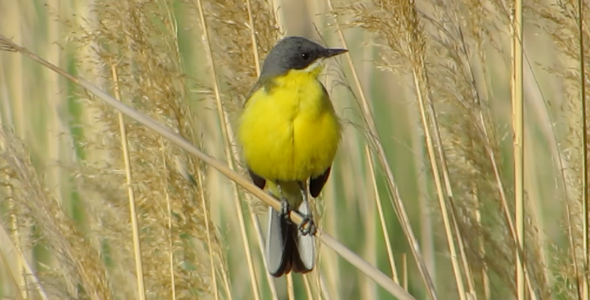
<point>284,211</point>
<point>307,226</point>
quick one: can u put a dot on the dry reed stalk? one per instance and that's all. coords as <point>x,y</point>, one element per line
<point>405,271</point>
<point>373,140</point>
<point>308,290</point>
<point>199,187</point>
<point>331,267</point>
<point>388,247</point>
<point>225,279</point>
<point>324,288</point>
<point>130,194</point>
<point>290,287</point>
<point>481,249</point>
<point>307,286</point>
<point>260,239</point>
<point>253,36</point>
<point>169,211</point>
<point>585,153</point>
<point>518,143</point>
<point>367,288</point>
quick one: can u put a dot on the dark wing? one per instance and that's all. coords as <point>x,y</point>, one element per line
<point>316,184</point>
<point>258,181</point>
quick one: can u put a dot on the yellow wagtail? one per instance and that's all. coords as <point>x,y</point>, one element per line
<point>289,134</point>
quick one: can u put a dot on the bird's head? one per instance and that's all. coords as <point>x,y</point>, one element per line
<point>296,53</point>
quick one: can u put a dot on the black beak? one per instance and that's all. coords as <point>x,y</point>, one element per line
<point>333,52</point>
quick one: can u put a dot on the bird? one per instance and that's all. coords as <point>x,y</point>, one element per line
<point>289,134</point>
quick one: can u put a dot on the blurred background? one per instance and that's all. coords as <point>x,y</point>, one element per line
<point>434,77</point>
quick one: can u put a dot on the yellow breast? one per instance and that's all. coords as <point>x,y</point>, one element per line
<point>289,132</point>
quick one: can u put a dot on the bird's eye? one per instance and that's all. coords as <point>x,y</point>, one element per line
<point>305,56</point>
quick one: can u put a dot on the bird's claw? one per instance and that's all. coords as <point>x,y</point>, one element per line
<point>307,226</point>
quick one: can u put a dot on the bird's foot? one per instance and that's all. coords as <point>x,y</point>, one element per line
<point>307,226</point>
<point>285,210</point>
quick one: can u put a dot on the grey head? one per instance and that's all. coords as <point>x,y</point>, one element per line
<point>296,53</point>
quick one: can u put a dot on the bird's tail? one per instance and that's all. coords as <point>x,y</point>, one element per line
<point>286,248</point>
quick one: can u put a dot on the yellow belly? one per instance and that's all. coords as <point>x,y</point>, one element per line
<point>290,133</point>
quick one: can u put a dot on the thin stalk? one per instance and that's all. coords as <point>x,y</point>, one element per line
<point>271,285</point>
<point>130,194</point>
<point>253,37</point>
<point>173,26</point>
<point>482,251</point>
<point>439,190</point>
<point>176,139</point>
<point>308,290</point>
<point>324,288</point>
<point>388,247</point>
<point>228,153</point>
<point>585,190</point>
<point>169,211</point>
<point>518,143</point>
<point>330,264</point>
<point>397,203</point>
<point>470,282</point>
<point>426,226</point>
<point>405,270</point>
<point>367,288</point>
<point>226,287</point>
<point>290,289</point>
<point>199,189</point>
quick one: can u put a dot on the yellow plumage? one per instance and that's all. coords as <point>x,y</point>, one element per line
<point>289,130</point>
